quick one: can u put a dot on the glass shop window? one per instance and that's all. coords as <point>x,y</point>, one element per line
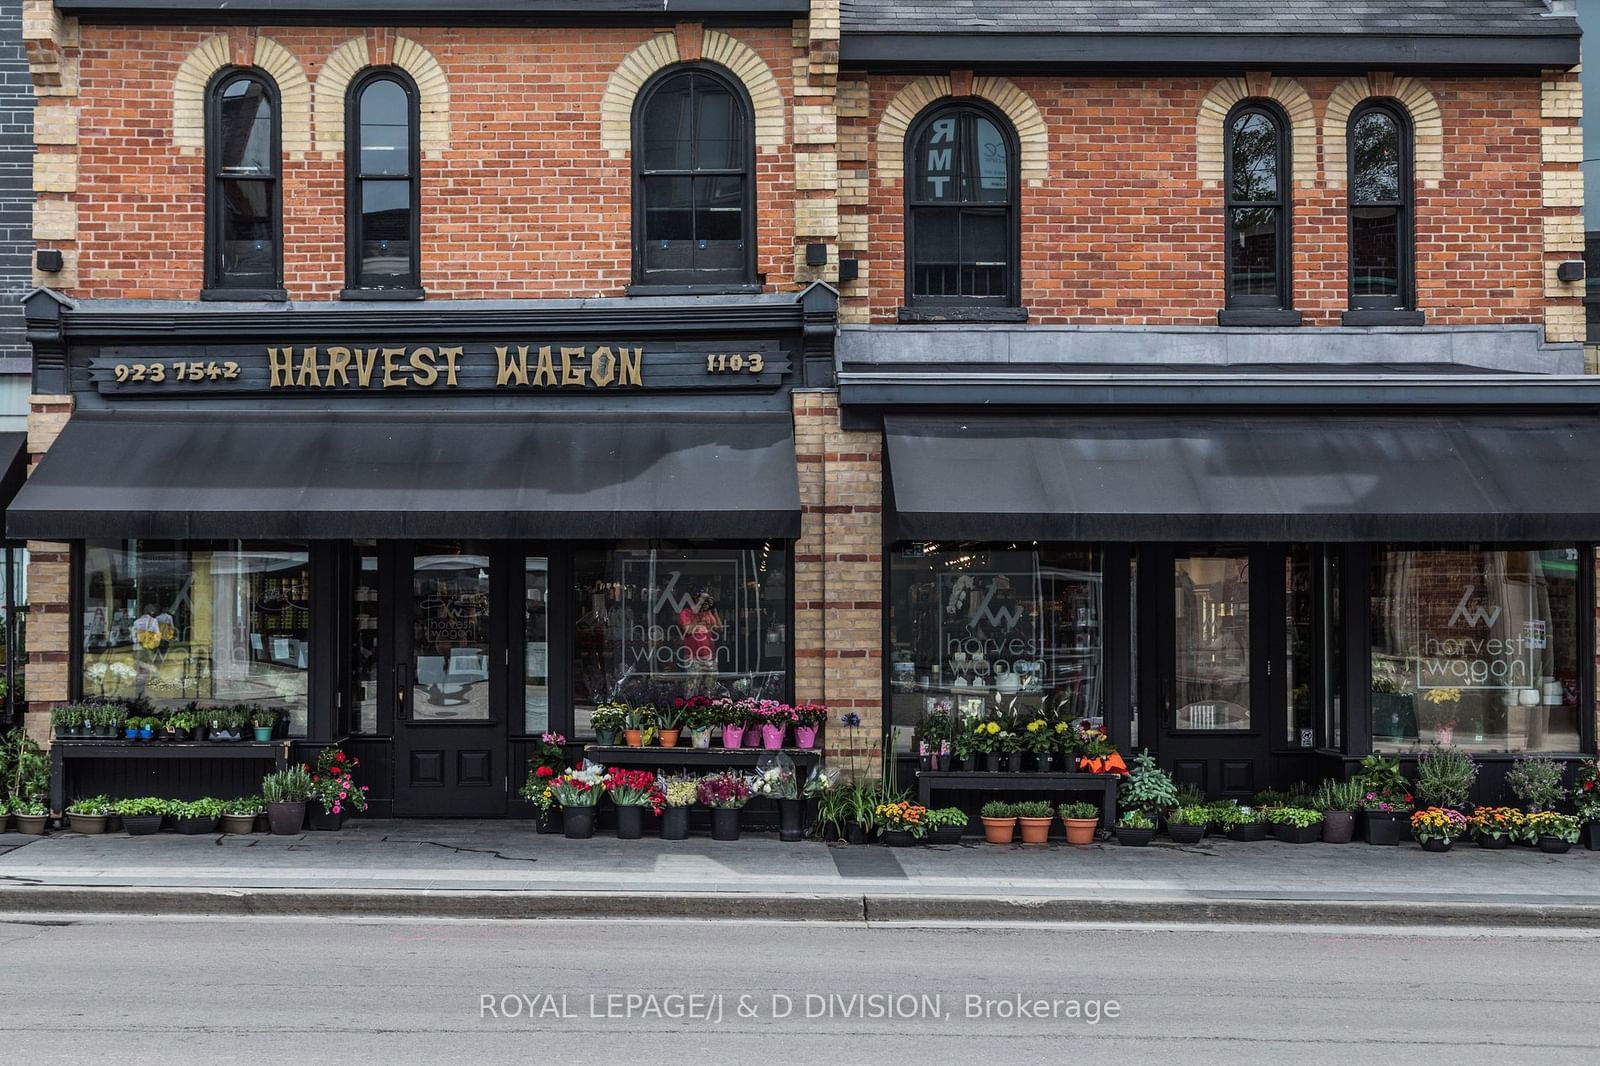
<point>208,622</point>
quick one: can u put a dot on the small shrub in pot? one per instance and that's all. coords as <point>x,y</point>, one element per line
<point>999,822</point>
<point>1081,820</point>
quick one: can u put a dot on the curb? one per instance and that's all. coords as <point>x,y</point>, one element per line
<point>49,900</point>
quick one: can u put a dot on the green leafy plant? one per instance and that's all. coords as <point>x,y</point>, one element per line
<point>1035,809</point>
<point>1236,816</point>
<point>1341,797</point>
<point>24,769</point>
<point>1147,787</point>
<point>244,807</point>
<point>30,808</point>
<point>1191,795</point>
<point>1299,817</point>
<point>609,718</point>
<point>1445,776</point>
<point>945,818</point>
<point>91,806</point>
<point>1135,820</point>
<point>262,717</point>
<point>1383,787</point>
<point>1270,797</point>
<point>142,807</point>
<point>286,786</point>
<point>1536,781</point>
<point>1078,811</point>
<point>1189,815</point>
<point>998,809</point>
<point>1586,791</point>
<point>200,808</point>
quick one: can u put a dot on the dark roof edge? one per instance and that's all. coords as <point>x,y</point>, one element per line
<point>429,12</point>
<point>1126,52</point>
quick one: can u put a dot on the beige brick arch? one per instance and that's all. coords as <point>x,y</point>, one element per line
<point>216,53</point>
<point>661,51</point>
<point>354,56</point>
<point>1288,93</point>
<point>1427,125</point>
<point>1033,135</point>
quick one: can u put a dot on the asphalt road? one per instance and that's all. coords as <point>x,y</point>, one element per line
<point>167,992</point>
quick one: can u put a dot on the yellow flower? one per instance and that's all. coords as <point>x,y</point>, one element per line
<point>980,728</point>
<point>994,727</point>
<point>1033,727</point>
<point>1061,727</point>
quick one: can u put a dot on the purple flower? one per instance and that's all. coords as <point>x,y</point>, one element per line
<point>851,719</point>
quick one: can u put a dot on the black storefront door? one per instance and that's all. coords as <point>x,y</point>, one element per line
<point>1215,671</point>
<point>449,637</point>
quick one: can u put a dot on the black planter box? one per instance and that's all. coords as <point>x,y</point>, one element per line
<point>1591,836</point>
<point>1134,838</point>
<point>1186,834</point>
<point>1290,834</point>
<point>1383,829</point>
<point>950,834</point>
<point>1250,832</point>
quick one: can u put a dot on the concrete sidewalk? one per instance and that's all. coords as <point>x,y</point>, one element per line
<point>504,869</point>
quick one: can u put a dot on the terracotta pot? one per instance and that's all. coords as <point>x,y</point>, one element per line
<point>1081,830</point>
<point>669,738</point>
<point>999,830</point>
<point>1036,830</point>
<point>633,737</point>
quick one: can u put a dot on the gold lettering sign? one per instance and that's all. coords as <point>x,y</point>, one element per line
<point>423,367</point>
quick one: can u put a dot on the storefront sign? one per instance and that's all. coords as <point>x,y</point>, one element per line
<point>428,368</point>
<point>1477,651</point>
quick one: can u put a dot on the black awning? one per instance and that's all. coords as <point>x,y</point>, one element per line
<point>13,466</point>
<point>613,475</point>
<point>1245,478</point>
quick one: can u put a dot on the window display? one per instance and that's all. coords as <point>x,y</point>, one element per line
<point>1476,647</point>
<point>978,628</point>
<point>211,622</point>
<point>656,623</point>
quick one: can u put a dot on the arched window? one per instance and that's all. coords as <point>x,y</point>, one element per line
<point>1258,184</point>
<point>693,167</point>
<point>381,190</point>
<point>961,209</point>
<point>1380,208</point>
<point>244,211</point>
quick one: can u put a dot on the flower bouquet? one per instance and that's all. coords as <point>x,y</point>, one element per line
<point>632,791</point>
<point>577,792</point>
<point>1096,753</point>
<point>678,793</point>
<point>725,793</point>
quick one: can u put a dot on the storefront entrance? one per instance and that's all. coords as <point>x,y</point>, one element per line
<point>1218,671</point>
<point>449,646</point>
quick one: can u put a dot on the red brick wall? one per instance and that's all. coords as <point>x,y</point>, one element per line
<point>1122,230</point>
<point>526,204</point>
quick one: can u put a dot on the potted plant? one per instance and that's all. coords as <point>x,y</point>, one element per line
<point>945,825</point>
<point>1010,746</point>
<point>1437,828</point>
<point>863,821</point>
<point>1186,824</point>
<point>985,743</point>
<point>772,718</point>
<point>1495,828</point>
<point>699,718</point>
<point>262,720</point>
<point>631,792</point>
<point>904,823</point>
<point>1035,818</point>
<point>67,721</point>
<point>1338,801</point>
<point>142,816</point>
<point>639,728</point>
<point>1536,781</point>
<point>999,822</point>
<point>180,726</point>
<point>89,815</point>
<point>285,792</point>
<point>1147,789</point>
<point>1081,820</point>
<point>1555,832</point>
<point>1445,775</point>
<point>1385,799</point>
<point>725,793</point>
<point>239,815</point>
<point>1244,823</point>
<point>5,814</point>
<point>224,725</point>
<point>147,729</point>
<point>1135,829</point>
<point>731,717</point>
<point>1586,801</point>
<point>927,736</point>
<point>197,817</point>
<point>1039,739</point>
<point>334,792</point>
<point>678,793</point>
<point>608,720</point>
<point>1296,825</point>
<point>31,815</point>
<point>578,792</point>
<point>832,799</point>
<point>775,779</point>
<point>809,718</point>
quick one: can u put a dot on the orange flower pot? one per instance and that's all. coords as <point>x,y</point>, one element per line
<point>1036,830</point>
<point>669,738</point>
<point>1081,830</point>
<point>634,737</point>
<point>999,830</point>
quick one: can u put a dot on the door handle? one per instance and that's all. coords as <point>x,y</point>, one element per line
<point>401,688</point>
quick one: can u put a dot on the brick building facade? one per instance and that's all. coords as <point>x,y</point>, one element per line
<point>533,215</point>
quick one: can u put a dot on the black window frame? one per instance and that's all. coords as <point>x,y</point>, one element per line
<point>1001,308</point>
<point>217,285</point>
<point>1283,301</point>
<point>1405,299</point>
<point>661,282</point>
<point>411,288</point>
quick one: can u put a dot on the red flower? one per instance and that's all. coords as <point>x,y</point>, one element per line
<point>545,771</point>
<point>1408,798</point>
<point>338,756</point>
<point>1588,784</point>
